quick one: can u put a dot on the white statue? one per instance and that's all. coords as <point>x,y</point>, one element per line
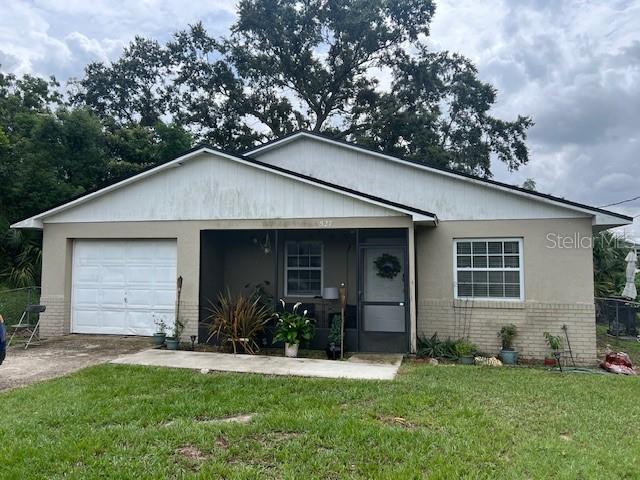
<point>630,287</point>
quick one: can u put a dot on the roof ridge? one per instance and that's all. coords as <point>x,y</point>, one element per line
<point>417,163</point>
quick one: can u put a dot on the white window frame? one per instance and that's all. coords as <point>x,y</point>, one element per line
<point>286,267</point>
<point>520,269</point>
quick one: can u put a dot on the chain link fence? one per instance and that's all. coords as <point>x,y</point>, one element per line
<point>619,315</point>
<point>13,302</point>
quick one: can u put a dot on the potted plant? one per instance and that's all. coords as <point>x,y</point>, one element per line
<point>161,332</point>
<point>508,354</point>
<point>334,350</point>
<point>555,343</point>
<point>293,329</point>
<point>174,340</point>
<point>238,321</point>
<point>465,351</point>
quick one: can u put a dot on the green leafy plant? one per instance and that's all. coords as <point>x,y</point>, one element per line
<point>507,333</point>
<point>161,326</point>
<point>554,341</point>
<point>430,347</point>
<point>293,328</point>
<point>238,320</point>
<point>464,348</point>
<point>433,347</point>
<point>178,328</point>
<point>335,332</point>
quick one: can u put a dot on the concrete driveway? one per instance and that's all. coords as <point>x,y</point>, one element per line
<point>59,356</point>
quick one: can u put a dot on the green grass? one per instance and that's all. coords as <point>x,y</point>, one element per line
<point>630,347</point>
<point>432,422</point>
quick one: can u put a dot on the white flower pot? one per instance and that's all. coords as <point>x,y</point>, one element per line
<point>291,349</point>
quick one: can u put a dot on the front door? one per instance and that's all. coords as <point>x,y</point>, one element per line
<point>383,299</point>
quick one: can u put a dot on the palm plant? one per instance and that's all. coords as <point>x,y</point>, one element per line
<point>238,320</point>
<point>23,257</point>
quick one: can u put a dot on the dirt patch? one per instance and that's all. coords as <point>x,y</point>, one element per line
<point>396,422</point>
<point>244,419</point>
<point>192,453</point>
<point>59,356</point>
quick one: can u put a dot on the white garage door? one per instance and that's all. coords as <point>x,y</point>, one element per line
<point>122,286</point>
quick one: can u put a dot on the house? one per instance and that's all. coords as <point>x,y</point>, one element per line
<point>419,249</point>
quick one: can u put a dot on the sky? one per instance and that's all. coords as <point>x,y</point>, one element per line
<point>572,65</point>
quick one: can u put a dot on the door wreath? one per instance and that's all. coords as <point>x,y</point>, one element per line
<point>388,266</point>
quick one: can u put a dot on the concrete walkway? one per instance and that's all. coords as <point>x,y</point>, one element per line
<point>384,368</point>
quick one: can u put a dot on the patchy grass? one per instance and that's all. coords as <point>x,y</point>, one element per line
<point>122,422</point>
<point>630,347</point>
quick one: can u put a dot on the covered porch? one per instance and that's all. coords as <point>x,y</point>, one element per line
<point>308,265</point>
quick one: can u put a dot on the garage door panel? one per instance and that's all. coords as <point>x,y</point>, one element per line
<point>88,273</point>
<point>89,296</point>
<point>116,274</point>
<point>112,297</point>
<point>139,274</point>
<point>140,298</point>
<point>86,317</point>
<point>119,285</point>
<point>113,321</point>
<point>165,299</point>
<point>141,322</point>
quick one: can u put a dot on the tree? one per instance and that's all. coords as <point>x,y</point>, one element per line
<point>609,266</point>
<point>529,184</point>
<point>313,64</point>
<point>50,153</point>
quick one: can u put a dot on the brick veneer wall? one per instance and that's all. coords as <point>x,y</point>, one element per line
<point>54,321</point>
<point>484,319</point>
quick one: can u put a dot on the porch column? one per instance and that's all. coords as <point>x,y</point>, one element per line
<point>412,290</point>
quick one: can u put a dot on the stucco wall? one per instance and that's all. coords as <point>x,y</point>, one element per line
<point>558,285</point>
<point>58,253</point>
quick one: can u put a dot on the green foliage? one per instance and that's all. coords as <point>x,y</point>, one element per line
<point>267,79</point>
<point>609,267</point>
<point>335,332</point>
<point>238,320</point>
<point>464,348</point>
<point>507,334</point>
<point>50,153</point>
<point>293,328</point>
<point>433,347</point>
<point>554,341</point>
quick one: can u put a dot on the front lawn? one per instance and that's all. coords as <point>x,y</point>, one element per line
<point>432,422</point>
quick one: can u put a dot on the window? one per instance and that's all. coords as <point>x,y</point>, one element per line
<point>303,269</point>
<point>489,269</point>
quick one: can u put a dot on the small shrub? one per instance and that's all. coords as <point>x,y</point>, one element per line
<point>429,347</point>
<point>464,348</point>
<point>554,341</point>
<point>507,333</point>
<point>238,321</point>
<point>335,332</point>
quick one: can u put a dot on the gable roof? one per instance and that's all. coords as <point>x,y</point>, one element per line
<point>530,194</point>
<point>418,215</point>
